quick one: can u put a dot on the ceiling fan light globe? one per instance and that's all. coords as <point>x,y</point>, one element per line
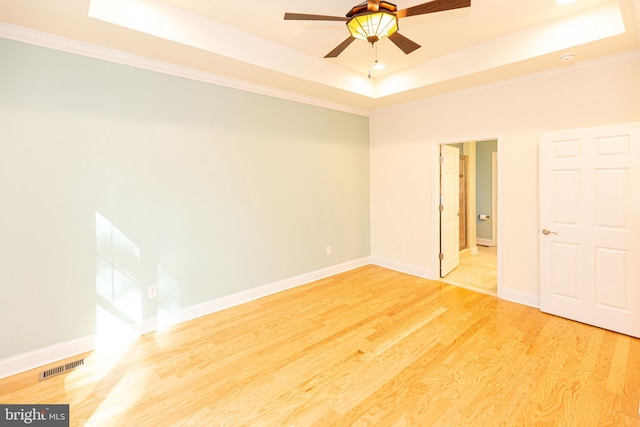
<point>379,66</point>
<point>374,26</point>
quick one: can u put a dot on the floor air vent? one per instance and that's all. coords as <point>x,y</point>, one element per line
<point>60,369</point>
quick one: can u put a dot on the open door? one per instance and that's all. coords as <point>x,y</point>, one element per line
<point>449,209</point>
<point>590,226</point>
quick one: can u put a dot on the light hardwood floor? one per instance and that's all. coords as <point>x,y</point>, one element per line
<point>367,347</point>
<point>477,272</point>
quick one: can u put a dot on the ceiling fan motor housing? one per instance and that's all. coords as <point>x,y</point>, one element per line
<point>371,7</point>
<point>373,26</point>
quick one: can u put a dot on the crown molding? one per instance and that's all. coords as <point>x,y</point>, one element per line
<point>593,64</point>
<point>51,41</point>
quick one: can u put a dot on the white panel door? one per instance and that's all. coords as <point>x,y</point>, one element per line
<point>449,209</point>
<point>590,226</point>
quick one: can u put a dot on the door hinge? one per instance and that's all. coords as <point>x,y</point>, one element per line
<point>441,256</point>
<point>441,207</point>
<point>441,158</point>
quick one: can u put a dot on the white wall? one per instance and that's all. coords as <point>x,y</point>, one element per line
<point>114,178</point>
<point>402,158</point>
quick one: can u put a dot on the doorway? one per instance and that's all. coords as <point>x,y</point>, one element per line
<point>479,219</point>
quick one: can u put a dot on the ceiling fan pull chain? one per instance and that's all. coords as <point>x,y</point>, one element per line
<point>370,66</point>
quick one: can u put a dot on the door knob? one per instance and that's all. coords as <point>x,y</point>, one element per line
<point>547,232</point>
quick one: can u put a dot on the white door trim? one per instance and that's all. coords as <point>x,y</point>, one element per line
<point>494,197</point>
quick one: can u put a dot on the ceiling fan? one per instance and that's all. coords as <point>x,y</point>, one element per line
<point>373,20</point>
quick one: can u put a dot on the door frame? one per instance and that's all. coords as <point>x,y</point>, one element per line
<point>435,202</point>
<point>494,197</point>
<point>464,186</point>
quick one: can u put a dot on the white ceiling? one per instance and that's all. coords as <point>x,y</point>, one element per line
<point>249,41</point>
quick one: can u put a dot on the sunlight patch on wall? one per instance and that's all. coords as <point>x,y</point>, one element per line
<point>118,286</point>
<point>169,302</point>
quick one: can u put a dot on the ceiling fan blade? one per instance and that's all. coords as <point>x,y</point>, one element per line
<point>433,6</point>
<point>405,45</point>
<point>338,49</point>
<point>307,17</point>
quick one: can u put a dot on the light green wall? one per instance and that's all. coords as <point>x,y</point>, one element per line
<point>114,178</point>
<point>483,187</point>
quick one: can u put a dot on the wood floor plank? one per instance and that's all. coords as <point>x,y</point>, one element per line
<point>631,392</point>
<point>366,347</point>
<point>618,368</point>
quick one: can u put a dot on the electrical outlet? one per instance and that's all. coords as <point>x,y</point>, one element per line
<point>152,292</point>
<point>328,250</point>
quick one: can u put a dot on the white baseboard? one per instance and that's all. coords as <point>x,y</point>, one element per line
<point>403,268</point>
<point>33,359</point>
<point>525,298</point>
<point>485,242</point>
<point>218,304</point>
<point>520,297</point>
<point>43,356</point>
